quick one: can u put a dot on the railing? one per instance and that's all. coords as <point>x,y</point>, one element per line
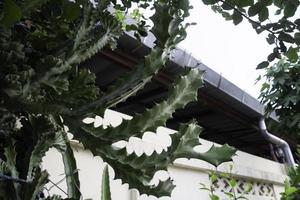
<point>259,189</point>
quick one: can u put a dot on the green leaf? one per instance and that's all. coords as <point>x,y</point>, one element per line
<point>71,172</point>
<point>262,65</point>
<point>105,188</point>
<point>71,10</point>
<point>266,2</point>
<point>259,30</point>
<point>209,2</point>
<point>161,19</point>
<point>232,183</point>
<point>244,3</point>
<point>292,54</point>
<point>227,5</point>
<point>249,187</point>
<point>237,18</point>
<point>230,195</point>
<point>271,57</point>
<point>225,175</point>
<point>290,8</point>
<point>279,3</point>
<point>297,21</point>
<point>218,155</point>
<point>213,177</point>
<point>290,190</point>
<point>11,13</point>
<point>215,155</point>
<point>297,38</point>
<point>218,9</point>
<point>286,37</point>
<point>120,16</point>
<point>264,87</point>
<point>214,197</point>
<point>270,39</point>
<point>254,9</point>
<point>263,14</point>
<point>278,12</point>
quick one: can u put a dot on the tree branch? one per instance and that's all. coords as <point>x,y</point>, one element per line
<point>249,19</point>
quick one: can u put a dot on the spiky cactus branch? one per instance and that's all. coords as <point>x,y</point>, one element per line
<point>42,88</point>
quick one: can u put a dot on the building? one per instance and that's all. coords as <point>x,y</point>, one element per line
<point>227,114</point>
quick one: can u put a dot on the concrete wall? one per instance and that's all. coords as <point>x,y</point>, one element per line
<point>266,176</point>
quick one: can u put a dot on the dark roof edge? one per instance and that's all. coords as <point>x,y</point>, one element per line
<point>184,59</point>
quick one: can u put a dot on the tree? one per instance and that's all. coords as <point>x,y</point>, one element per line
<point>43,89</point>
<point>281,91</point>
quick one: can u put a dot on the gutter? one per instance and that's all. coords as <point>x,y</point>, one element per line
<point>289,159</point>
<point>231,94</point>
<point>234,96</point>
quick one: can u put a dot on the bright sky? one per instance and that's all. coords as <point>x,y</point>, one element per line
<point>233,51</point>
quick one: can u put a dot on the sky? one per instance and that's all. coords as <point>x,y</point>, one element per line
<point>233,51</point>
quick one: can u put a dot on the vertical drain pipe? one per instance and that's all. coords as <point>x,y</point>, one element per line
<point>277,141</point>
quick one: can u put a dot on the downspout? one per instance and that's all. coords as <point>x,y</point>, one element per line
<point>279,142</point>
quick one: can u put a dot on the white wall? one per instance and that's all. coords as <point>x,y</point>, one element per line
<point>264,174</point>
<point>90,173</point>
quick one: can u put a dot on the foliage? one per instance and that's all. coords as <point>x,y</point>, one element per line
<point>105,188</point>
<point>43,89</point>
<point>292,186</point>
<point>232,194</point>
<point>280,93</point>
<point>281,33</point>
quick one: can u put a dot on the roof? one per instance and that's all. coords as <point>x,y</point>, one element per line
<point>227,113</point>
